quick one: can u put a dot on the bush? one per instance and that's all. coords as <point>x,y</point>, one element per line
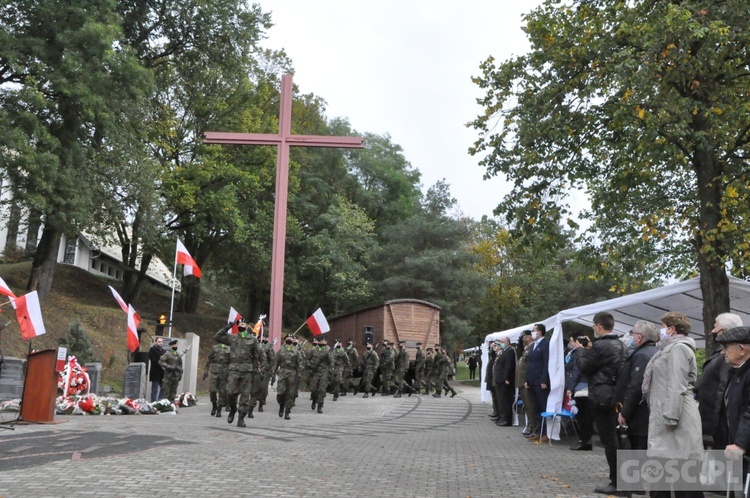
<point>78,343</point>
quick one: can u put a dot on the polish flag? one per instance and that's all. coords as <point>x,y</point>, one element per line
<point>133,322</point>
<point>119,299</point>
<point>233,316</point>
<point>318,323</point>
<point>184,258</point>
<point>29,314</point>
<point>5,290</point>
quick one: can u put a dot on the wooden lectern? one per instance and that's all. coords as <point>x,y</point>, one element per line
<point>40,387</point>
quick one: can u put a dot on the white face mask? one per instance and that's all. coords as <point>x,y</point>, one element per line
<point>534,335</point>
<point>663,334</point>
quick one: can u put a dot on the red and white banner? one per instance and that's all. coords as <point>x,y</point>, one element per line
<point>29,315</point>
<point>5,290</point>
<point>318,323</point>
<point>233,316</point>
<point>133,322</point>
<point>184,258</point>
<point>119,299</point>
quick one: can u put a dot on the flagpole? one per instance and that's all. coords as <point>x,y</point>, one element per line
<point>300,328</point>
<point>174,280</point>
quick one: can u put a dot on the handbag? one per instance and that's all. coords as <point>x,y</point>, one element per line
<point>602,396</point>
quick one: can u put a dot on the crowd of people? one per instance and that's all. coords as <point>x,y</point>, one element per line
<point>641,391</point>
<point>242,366</point>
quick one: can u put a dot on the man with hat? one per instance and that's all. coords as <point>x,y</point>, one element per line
<point>354,365</point>
<point>419,363</point>
<point>387,368</point>
<point>288,367</point>
<point>244,362</point>
<point>440,369</point>
<point>319,364</point>
<point>369,367</point>
<point>429,368</point>
<point>171,363</point>
<point>340,364</point>
<point>402,366</point>
<point>734,426</point>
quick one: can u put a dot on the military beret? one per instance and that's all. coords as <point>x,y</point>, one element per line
<point>437,345</point>
<point>173,342</point>
<point>737,334</point>
<point>429,349</point>
<point>322,340</point>
<point>419,344</point>
<point>402,342</point>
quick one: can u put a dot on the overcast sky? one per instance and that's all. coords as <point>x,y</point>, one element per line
<point>404,68</point>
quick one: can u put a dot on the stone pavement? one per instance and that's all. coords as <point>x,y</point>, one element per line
<point>416,446</point>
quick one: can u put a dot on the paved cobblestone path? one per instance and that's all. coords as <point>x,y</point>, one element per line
<point>416,446</point>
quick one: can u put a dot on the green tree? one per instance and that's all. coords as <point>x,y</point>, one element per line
<point>644,107</point>
<point>77,342</point>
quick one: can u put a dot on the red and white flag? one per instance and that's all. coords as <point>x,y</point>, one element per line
<point>5,290</point>
<point>29,314</point>
<point>133,322</point>
<point>184,258</point>
<point>119,299</point>
<point>233,316</point>
<point>318,323</point>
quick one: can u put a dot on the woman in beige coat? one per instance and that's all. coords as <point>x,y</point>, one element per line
<point>674,425</point>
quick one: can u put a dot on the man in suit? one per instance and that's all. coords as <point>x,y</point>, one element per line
<point>537,377</point>
<point>504,381</point>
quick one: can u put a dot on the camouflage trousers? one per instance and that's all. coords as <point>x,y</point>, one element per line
<point>418,376</point>
<point>261,393</point>
<point>334,380</point>
<point>169,384</point>
<point>286,388</point>
<point>386,381</point>
<point>318,383</point>
<point>217,388</point>
<point>241,384</point>
<point>367,377</point>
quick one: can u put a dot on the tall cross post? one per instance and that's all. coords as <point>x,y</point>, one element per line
<point>282,140</point>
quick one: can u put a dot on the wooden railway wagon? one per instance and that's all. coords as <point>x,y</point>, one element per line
<point>409,320</point>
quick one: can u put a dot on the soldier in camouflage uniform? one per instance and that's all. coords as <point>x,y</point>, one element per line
<point>429,366</point>
<point>244,362</point>
<point>369,367</point>
<point>340,363</point>
<point>218,365</point>
<point>267,361</point>
<point>419,362</point>
<point>441,369</point>
<point>288,367</point>
<point>387,369</point>
<point>319,365</point>
<point>402,366</point>
<point>450,374</point>
<point>171,363</point>
<point>354,365</point>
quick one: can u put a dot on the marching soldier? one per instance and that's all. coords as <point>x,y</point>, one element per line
<point>218,365</point>
<point>387,367</point>
<point>266,363</point>
<point>402,366</point>
<point>288,367</point>
<point>441,369</point>
<point>171,363</point>
<point>319,365</point>
<point>429,367</point>
<point>244,362</point>
<point>354,365</point>
<point>419,363</point>
<point>369,367</point>
<point>340,364</point>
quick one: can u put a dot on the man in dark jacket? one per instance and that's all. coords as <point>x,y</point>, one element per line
<point>492,354</point>
<point>155,372</point>
<point>602,364</point>
<point>712,383</point>
<point>537,376</point>
<point>633,408</point>
<point>504,382</point>
<point>577,387</point>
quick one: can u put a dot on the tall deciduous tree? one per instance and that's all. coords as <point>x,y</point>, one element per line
<point>644,106</point>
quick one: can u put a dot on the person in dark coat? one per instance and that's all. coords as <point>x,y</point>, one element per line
<point>472,362</point>
<point>155,372</point>
<point>577,386</point>
<point>633,409</point>
<point>537,377</point>
<point>492,354</point>
<point>735,410</point>
<point>602,364</point>
<point>712,383</point>
<point>504,382</point>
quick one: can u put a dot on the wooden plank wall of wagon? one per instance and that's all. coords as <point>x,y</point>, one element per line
<point>412,323</point>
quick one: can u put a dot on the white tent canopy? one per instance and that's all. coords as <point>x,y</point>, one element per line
<point>685,297</point>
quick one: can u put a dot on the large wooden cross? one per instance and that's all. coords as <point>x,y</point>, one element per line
<point>283,140</point>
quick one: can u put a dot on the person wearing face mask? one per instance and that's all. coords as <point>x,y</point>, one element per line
<point>504,382</point>
<point>267,358</point>
<point>633,410</point>
<point>244,363</point>
<point>429,366</point>
<point>712,383</point>
<point>402,365</point>
<point>171,363</point>
<point>370,362</point>
<point>287,370</point>
<point>674,425</point>
<point>387,368</point>
<point>537,377</point>
<point>340,364</point>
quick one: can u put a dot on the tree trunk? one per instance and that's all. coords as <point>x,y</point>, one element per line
<point>14,220</point>
<point>32,234</point>
<point>45,260</point>
<point>134,280</point>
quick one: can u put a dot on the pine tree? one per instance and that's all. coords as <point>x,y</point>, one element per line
<point>78,343</point>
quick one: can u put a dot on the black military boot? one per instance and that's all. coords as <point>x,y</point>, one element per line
<point>313,405</point>
<point>320,407</point>
<point>260,407</point>
<point>436,395</point>
<point>397,395</point>
<point>213,409</point>
<point>367,395</point>
<point>218,412</point>
<point>335,397</point>
<point>281,410</point>
<point>354,391</point>
<point>232,410</point>
<point>453,392</point>
<point>250,413</point>
<point>286,414</point>
<point>343,393</point>
<point>241,420</point>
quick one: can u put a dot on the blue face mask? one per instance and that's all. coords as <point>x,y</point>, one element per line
<point>632,341</point>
